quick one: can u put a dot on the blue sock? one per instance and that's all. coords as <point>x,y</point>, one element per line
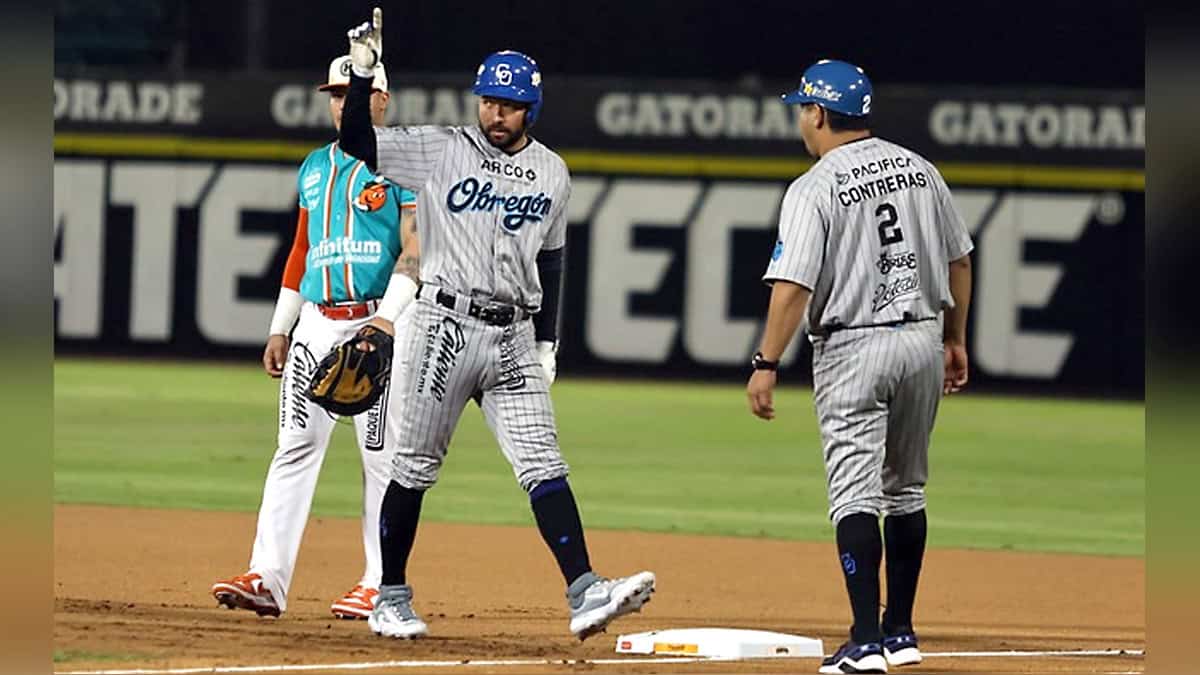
<point>558,520</point>
<point>904,539</point>
<point>860,549</point>
<point>398,530</point>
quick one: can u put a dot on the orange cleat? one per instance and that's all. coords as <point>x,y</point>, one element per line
<point>246,591</point>
<point>356,604</point>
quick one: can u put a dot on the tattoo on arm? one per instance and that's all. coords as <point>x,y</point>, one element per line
<point>409,262</point>
<point>410,265</point>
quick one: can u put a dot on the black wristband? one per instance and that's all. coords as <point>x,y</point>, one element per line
<point>760,363</point>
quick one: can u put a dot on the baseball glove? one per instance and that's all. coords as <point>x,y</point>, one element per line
<point>352,377</point>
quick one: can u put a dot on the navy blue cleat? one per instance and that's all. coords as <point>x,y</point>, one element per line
<point>854,658</point>
<point>901,649</point>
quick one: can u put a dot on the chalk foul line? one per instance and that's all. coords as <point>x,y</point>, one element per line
<point>495,663</point>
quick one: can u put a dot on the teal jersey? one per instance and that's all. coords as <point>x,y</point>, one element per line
<point>353,227</point>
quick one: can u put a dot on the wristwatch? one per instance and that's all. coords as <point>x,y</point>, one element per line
<point>760,363</point>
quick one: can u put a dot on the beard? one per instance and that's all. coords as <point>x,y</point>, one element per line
<point>509,139</point>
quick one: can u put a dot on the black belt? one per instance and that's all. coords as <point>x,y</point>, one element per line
<point>496,315</point>
<point>833,328</point>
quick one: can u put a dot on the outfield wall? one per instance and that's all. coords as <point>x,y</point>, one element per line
<point>175,202</point>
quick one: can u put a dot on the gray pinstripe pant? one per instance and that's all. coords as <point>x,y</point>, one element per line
<point>876,392</point>
<point>449,357</point>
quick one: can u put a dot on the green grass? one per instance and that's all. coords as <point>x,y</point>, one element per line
<point>1010,473</point>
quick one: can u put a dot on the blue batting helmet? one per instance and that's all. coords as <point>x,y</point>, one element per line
<point>512,76</point>
<point>836,85</point>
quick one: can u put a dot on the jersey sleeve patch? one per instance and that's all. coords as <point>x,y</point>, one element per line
<point>372,196</point>
<point>800,247</point>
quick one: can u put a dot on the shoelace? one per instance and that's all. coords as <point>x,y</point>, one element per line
<point>405,612</point>
<point>606,584</point>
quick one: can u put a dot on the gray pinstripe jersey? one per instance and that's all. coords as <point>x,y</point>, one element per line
<point>484,215</point>
<point>870,229</point>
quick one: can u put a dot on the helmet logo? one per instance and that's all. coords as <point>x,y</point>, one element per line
<point>511,76</point>
<point>504,74</point>
<point>825,92</point>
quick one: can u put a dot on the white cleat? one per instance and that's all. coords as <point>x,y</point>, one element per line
<point>601,600</point>
<point>393,615</point>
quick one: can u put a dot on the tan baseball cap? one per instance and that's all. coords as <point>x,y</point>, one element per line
<point>339,75</point>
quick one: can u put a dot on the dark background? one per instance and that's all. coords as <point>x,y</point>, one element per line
<point>1049,52</point>
<point>1093,44</point>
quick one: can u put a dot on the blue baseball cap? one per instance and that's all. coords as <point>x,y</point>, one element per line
<point>836,85</point>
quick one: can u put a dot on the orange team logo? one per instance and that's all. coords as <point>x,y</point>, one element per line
<point>372,197</point>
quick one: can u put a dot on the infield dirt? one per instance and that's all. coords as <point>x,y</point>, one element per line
<point>132,591</point>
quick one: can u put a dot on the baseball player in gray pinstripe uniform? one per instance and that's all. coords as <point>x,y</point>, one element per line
<point>872,252</point>
<point>486,289</point>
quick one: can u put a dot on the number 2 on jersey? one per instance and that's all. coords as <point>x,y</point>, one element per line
<point>889,231</point>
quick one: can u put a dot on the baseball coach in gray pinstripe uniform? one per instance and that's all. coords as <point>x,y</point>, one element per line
<point>484,276</point>
<point>874,256</point>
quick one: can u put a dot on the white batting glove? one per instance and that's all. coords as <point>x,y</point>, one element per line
<point>366,44</point>
<point>546,355</point>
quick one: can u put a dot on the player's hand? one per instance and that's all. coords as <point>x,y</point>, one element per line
<point>383,325</point>
<point>275,355</point>
<point>760,392</point>
<point>366,44</point>
<point>547,356</point>
<point>387,327</point>
<point>956,367</point>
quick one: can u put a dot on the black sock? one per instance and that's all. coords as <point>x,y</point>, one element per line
<point>558,519</point>
<point>397,530</point>
<point>860,549</point>
<point>905,538</point>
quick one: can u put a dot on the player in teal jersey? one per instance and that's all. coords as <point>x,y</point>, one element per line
<point>350,232</point>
